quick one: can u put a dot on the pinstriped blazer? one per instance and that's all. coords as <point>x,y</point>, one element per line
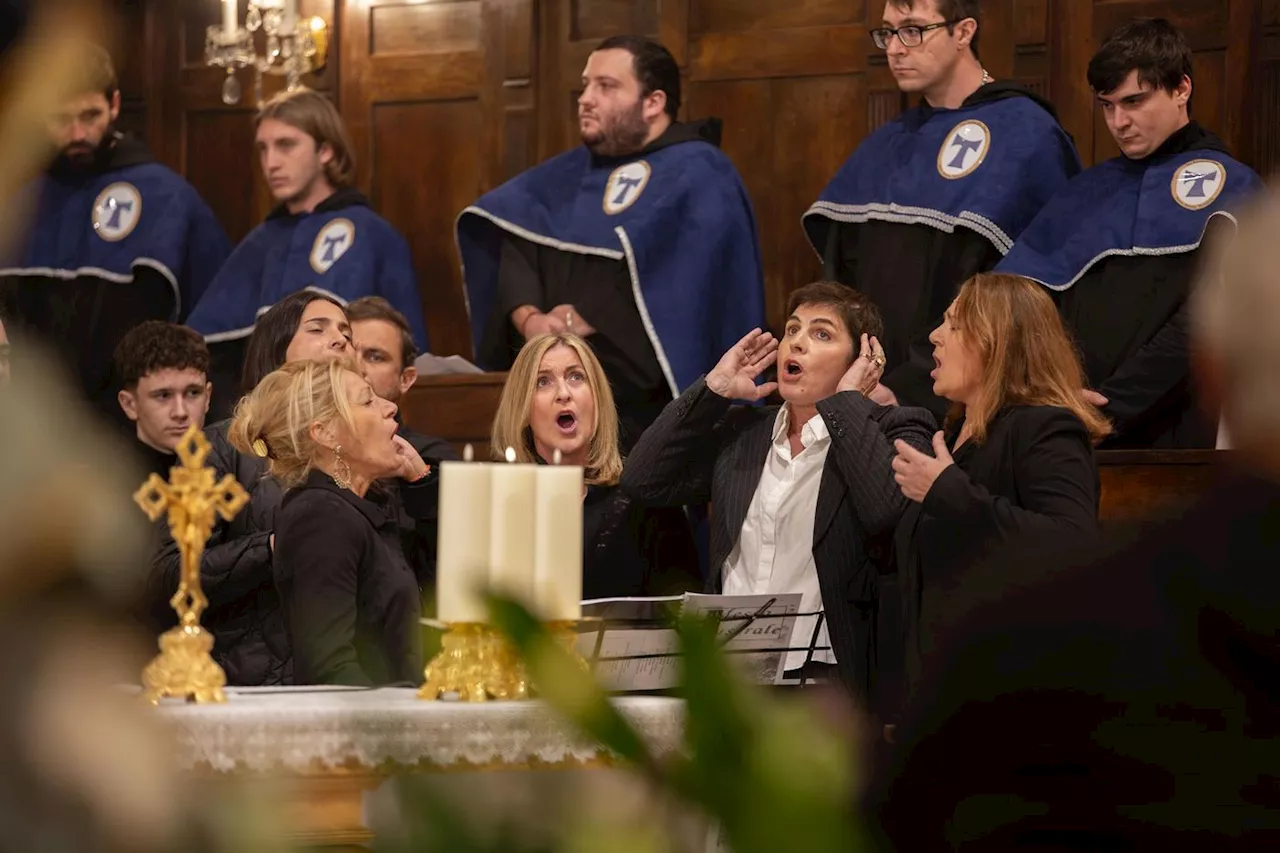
<point>703,448</point>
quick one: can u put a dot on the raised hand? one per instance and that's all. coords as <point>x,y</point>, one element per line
<point>864,374</point>
<point>734,377</point>
<point>915,472</point>
<point>411,465</point>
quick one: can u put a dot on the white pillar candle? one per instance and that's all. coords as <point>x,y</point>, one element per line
<point>229,26</point>
<point>462,560</point>
<point>290,20</point>
<point>513,495</point>
<point>557,567</point>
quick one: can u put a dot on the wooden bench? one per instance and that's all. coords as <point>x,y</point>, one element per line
<point>458,407</point>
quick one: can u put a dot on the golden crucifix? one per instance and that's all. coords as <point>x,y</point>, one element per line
<point>185,666</point>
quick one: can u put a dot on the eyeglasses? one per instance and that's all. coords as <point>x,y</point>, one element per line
<point>911,36</point>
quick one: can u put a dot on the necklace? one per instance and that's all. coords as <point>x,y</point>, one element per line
<point>986,78</point>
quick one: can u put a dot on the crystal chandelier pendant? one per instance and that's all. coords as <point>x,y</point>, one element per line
<point>273,47</point>
<point>231,89</point>
<point>253,20</point>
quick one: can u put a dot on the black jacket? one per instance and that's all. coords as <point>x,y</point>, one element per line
<point>1035,474</point>
<point>703,448</point>
<point>630,549</point>
<point>1120,696</point>
<point>351,600</point>
<point>235,572</point>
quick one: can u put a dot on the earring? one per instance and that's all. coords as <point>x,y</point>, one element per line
<point>341,470</point>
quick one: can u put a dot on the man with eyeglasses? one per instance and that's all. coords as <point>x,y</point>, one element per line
<point>940,192</point>
<point>1118,246</point>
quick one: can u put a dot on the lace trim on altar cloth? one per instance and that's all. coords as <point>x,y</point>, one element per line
<point>305,730</point>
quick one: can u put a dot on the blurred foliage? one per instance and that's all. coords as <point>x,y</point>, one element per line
<point>771,771</point>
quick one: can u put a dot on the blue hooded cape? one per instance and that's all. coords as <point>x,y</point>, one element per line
<point>342,249</point>
<point>1127,207</point>
<point>677,216</point>
<point>115,221</point>
<point>988,167</point>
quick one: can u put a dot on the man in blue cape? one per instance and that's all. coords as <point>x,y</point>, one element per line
<point>116,238</point>
<point>642,240</point>
<point>1119,245</point>
<point>939,193</point>
<point>323,235</point>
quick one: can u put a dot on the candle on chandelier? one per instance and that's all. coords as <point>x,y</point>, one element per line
<point>290,22</point>
<point>229,26</point>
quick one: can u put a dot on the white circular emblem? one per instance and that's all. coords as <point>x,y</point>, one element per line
<point>116,212</point>
<point>333,241</point>
<point>625,185</point>
<point>964,149</point>
<point>1198,183</point>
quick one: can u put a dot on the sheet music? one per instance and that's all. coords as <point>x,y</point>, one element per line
<point>751,626</point>
<point>634,672</point>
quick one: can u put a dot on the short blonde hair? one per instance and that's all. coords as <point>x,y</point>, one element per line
<point>1235,314</point>
<point>315,115</point>
<point>281,410</point>
<point>511,423</point>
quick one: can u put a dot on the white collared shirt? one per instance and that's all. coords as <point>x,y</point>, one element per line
<point>774,553</point>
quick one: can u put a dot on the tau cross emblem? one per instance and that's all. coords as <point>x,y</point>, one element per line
<point>1197,184</point>
<point>963,149</point>
<point>192,499</point>
<point>625,186</point>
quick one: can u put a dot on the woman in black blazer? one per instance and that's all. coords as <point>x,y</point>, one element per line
<point>350,599</point>
<point>1016,456</point>
<point>557,400</point>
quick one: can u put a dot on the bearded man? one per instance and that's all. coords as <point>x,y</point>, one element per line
<point>115,239</point>
<point>642,240</point>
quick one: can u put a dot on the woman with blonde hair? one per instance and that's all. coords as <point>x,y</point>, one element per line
<point>1016,455</point>
<point>350,599</point>
<point>558,401</point>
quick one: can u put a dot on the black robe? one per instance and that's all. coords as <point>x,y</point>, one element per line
<point>1128,315</point>
<point>928,266</point>
<point>599,288</point>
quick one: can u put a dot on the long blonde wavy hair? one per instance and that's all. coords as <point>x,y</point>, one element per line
<point>1027,357</point>
<point>511,423</point>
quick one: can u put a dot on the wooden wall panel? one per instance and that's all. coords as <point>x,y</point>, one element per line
<point>437,99</point>
<point>448,98</point>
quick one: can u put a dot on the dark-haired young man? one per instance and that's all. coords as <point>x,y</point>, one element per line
<point>642,240</point>
<point>162,369</point>
<point>1119,245</point>
<point>116,237</point>
<point>384,346</point>
<point>939,193</point>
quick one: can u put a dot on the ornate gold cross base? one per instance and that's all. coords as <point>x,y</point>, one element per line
<point>184,668</point>
<point>478,664</point>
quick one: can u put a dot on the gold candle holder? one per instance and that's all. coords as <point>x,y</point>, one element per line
<point>479,664</point>
<point>185,665</point>
<point>476,663</point>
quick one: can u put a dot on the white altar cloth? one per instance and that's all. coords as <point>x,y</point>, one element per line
<point>311,729</point>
